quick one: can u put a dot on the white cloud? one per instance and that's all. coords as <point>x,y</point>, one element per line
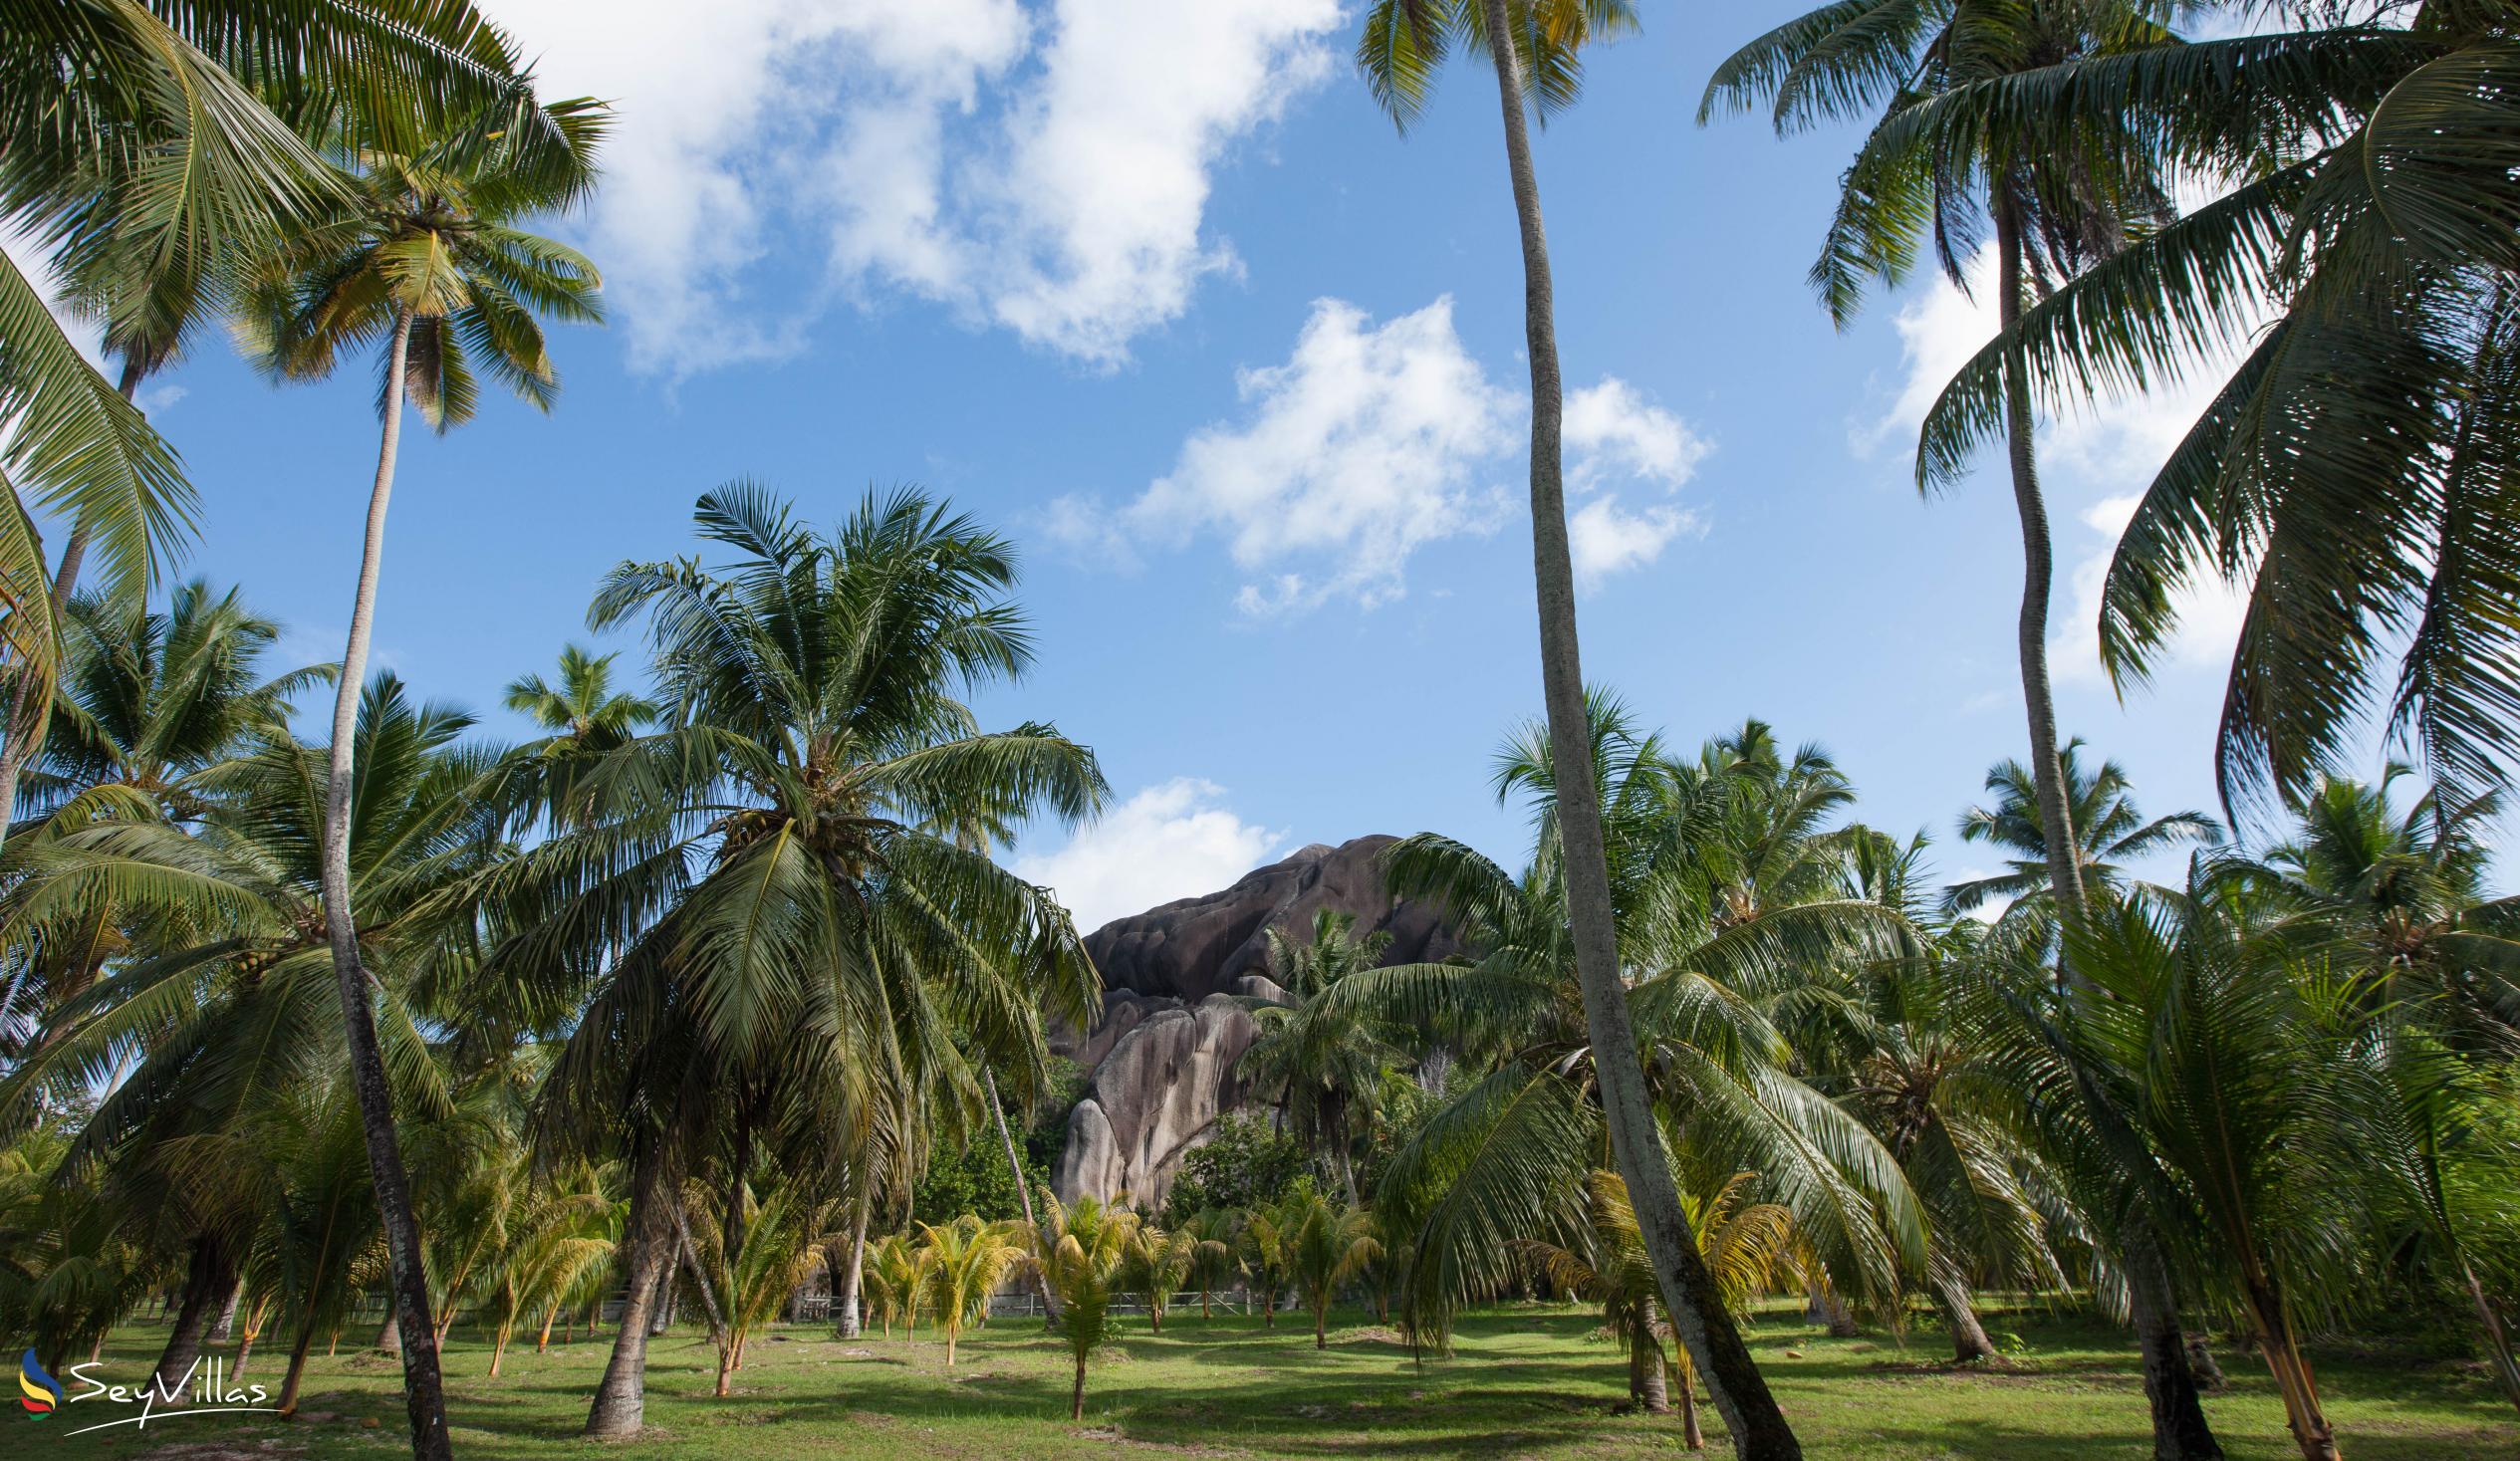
<point>1373,440</point>
<point>1605,539</point>
<point>2094,466</point>
<point>1352,455</point>
<point>1613,429</point>
<point>1176,839</point>
<point>1045,169</point>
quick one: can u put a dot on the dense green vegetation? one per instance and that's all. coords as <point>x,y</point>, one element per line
<point>720,989</point>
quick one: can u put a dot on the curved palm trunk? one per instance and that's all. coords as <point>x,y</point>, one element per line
<point>23,718</point>
<point>297,1365</point>
<point>852,1318</point>
<point>1758,1427</point>
<point>2272,1327</point>
<point>2038,554</point>
<point>423,1388</point>
<point>621,1399</point>
<point>2506,1372</point>
<point>1968,1337</point>
<point>1647,1383</point>
<point>1075,1397</point>
<point>209,1278</point>
<point>1024,1192</point>
<point>2179,1431</point>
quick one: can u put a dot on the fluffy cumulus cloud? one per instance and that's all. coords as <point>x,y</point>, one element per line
<point>1350,456</point>
<point>1372,441</point>
<point>1614,434</point>
<point>2094,464</point>
<point>1174,841</point>
<point>1042,168</point>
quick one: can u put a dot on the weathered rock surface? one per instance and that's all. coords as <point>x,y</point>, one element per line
<point>1153,1098</point>
<point>1163,1056</point>
<point>1196,947</point>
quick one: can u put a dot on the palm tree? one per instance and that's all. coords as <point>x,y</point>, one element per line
<point>152,710</point>
<point>1261,1236</point>
<point>2054,211</point>
<point>1537,46</point>
<point>1325,1246</point>
<point>1084,1269</point>
<point>147,154</point>
<point>800,960</point>
<point>961,1266</point>
<point>2346,471</point>
<point>2229,1065</point>
<point>1504,1156</point>
<point>1218,1235</point>
<point>1159,1261</point>
<point>1746,1245</point>
<point>2404,892</point>
<point>753,1279</point>
<point>1322,1062</point>
<point>2109,831</point>
<point>300,1156</point>
<point>228,993</point>
<point>893,1277</point>
<point>426,254</point>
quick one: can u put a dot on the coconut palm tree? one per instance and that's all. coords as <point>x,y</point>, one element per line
<point>1325,1246</point>
<point>1084,1269</point>
<point>150,151</point>
<point>1324,1061</point>
<point>427,255</point>
<point>893,1276</point>
<point>800,960</point>
<point>1159,1261</point>
<point>1218,1235</point>
<point>2108,833</point>
<point>1601,1259</point>
<point>2229,1065</point>
<point>152,710</point>
<point>961,1266</point>
<point>2406,893</point>
<point>2054,212</point>
<point>2346,471</point>
<point>1503,1157</point>
<point>228,993</point>
<point>301,1159</point>
<point>1537,47</point>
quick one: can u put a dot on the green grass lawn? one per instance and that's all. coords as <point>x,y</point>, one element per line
<point>1526,1382</point>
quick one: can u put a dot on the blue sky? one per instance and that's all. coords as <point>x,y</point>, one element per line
<point>1154,288</point>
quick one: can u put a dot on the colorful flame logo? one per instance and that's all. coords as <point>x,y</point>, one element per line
<point>39,1392</point>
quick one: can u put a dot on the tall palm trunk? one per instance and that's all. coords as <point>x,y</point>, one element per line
<point>621,1399</point>
<point>2271,1324</point>
<point>209,1277</point>
<point>423,1388</point>
<point>296,1364</point>
<point>1758,1428</point>
<point>1968,1337</point>
<point>1023,1189</point>
<point>2179,1429</point>
<point>851,1321</point>
<point>2506,1372</point>
<point>2038,556</point>
<point>25,717</point>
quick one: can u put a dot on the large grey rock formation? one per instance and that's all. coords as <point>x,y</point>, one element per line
<point>1196,947</point>
<point>1163,1056</point>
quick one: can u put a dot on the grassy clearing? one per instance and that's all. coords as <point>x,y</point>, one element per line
<point>1528,1383</point>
